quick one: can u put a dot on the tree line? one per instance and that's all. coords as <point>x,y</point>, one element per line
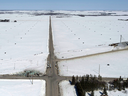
<point>88,83</point>
<point>91,83</point>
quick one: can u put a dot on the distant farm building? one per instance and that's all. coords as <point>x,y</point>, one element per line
<point>121,44</point>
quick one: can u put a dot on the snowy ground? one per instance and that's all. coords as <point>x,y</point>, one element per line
<point>67,89</point>
<point>118,93</point>
<point>23,44</point>
<point>111,93</point>
<point>78,36</point>
<point>22,88</point>
<point>90,65</point>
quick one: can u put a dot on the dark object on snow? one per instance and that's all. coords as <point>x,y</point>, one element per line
<point>15,21</point>
<point>107,64</point>
<point>5,20</point>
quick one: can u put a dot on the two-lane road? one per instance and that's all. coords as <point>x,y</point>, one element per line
<point>53,79</point>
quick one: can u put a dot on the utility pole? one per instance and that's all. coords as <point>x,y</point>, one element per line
<point>99,69</point>
<point>120,38</point>
<point>14,66</point>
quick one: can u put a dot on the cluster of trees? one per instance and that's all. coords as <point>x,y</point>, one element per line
<point>5,20</point>
<point>88,83</point>
<point>119,84</point>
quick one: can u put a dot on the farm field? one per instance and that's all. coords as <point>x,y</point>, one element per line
<point>111,65</point>
<point>23,44</point>
<point>78,36</point>
<point>22,88</point>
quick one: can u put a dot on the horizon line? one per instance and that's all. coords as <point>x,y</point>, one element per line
<point>59,10</point>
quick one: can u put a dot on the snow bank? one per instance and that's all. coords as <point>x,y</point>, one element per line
<point>67,89</point>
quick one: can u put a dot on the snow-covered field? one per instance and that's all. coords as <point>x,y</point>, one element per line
<point>67,89</point>
<point>78,36</point>
<point>23,44</point>
<point>90,65</point>
<point>22,88</point>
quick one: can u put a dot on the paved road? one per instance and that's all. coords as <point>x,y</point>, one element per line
<point>53,78</point>
<point>51,72</point>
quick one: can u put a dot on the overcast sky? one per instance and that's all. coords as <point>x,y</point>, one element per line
<point>64,4</point>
